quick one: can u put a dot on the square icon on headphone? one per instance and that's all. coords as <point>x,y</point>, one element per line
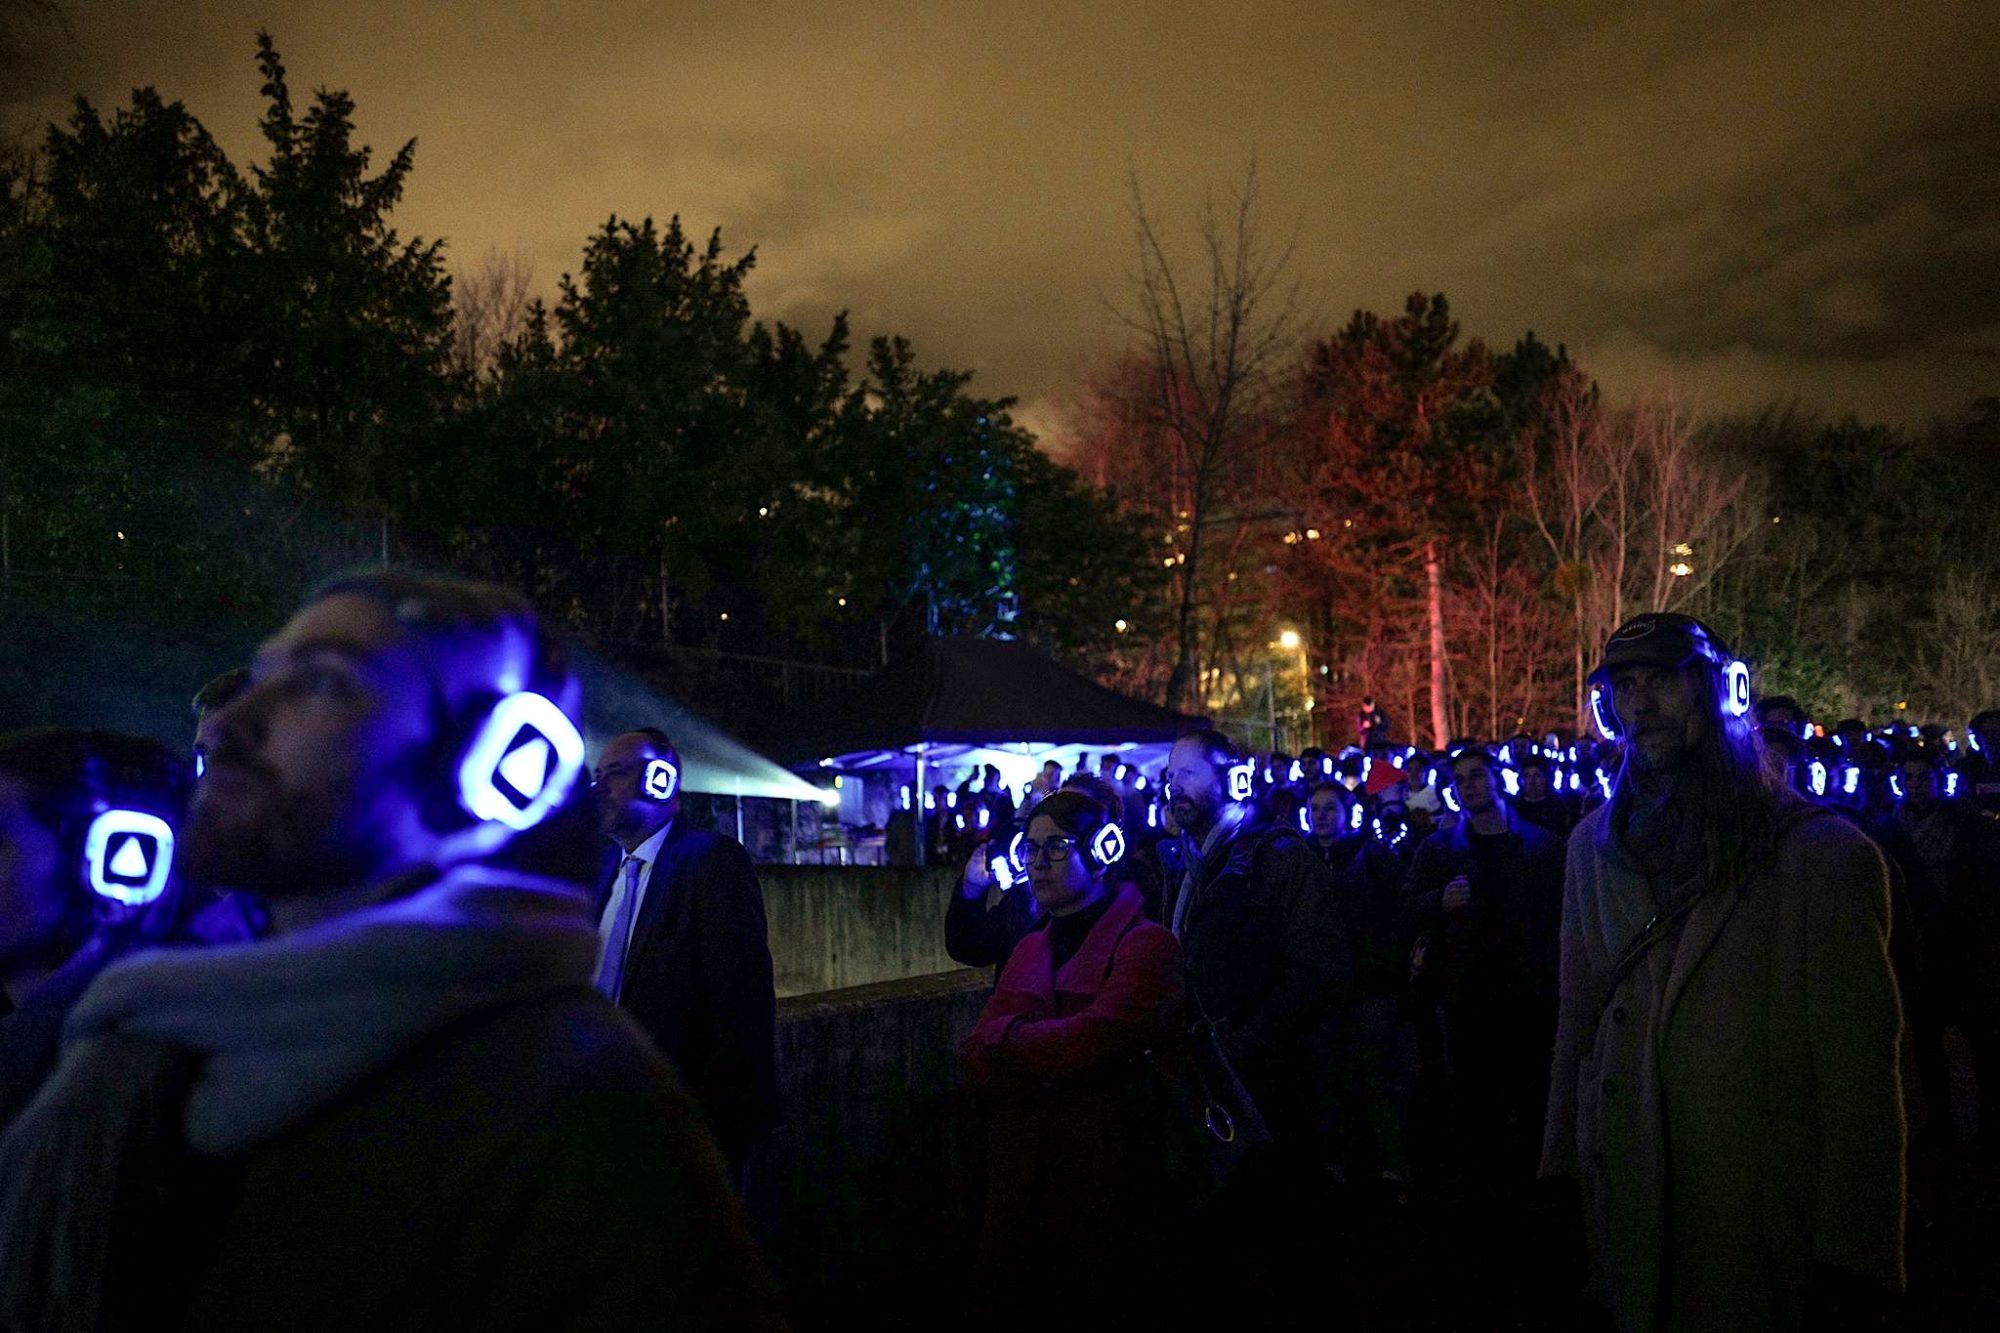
<point>128,855</point>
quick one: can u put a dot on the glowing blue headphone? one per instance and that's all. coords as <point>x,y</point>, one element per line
<point>1298,771</point>
<point>1896,785</point>
<point>524,759</point>
<point>1510,781</point>
<point>1850,779</point>
<point>663,780</point>
<point>1356,816</point>
<point>1305,820</point>
<point>1816,778</point>
<point>128,856</point>
<point>1242,781</point>
<point>1951,784</point>
<point>903,797</point>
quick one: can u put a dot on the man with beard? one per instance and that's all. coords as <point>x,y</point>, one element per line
<point>686,949</point>
<point>406,1107</point>
<point>1256,916</point>
<point>1725,1087</point>
<point>1267,962</point>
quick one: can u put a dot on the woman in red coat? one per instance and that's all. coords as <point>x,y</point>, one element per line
<point>1056,1056</point>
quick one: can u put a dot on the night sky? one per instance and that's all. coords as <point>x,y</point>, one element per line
<point>1761,200</point>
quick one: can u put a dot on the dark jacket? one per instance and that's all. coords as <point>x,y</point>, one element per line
<point>1267,957</point>
<point>981,936</point>
<point>698,979</point>
<point>1504,944</point>
<point>534,1168</point>
<point>1368,884</point>
<point>1732,1108</point>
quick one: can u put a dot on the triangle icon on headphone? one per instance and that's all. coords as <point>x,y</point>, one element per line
<point>526,768</point>
<point>130,860</point>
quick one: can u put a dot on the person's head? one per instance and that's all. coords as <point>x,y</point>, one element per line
<point>396,725</point>
<point>1983,734</point>
<point>1098,789</point>
<point>88,826</point>
<point>1534,776</point>
<point>1781,710</point>
<point>1331,807</point>
<point>1367,703</point>
<point>1051,772</point>
<point>1065,854</point>
<point>207,699</point>
<point>1923,780</point>
<point>1198,778</point>
<point>637,786</point>
<point>1474,782</point>
<point>1785,752</point>
<point>1679,701</point>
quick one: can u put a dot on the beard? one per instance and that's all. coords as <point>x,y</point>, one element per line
<point>284,843</point>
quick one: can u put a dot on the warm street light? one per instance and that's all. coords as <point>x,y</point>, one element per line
<point>1289,640</point>
<point>1680,569</point>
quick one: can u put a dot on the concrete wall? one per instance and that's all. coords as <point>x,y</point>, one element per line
<point>876,1170</point>
<point>838,926</point>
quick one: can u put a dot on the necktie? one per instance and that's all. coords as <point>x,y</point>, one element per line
<point>611,969</point>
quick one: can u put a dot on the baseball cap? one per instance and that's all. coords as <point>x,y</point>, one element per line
<point>1659,638</point>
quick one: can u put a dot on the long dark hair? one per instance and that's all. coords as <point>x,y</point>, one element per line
<point>1724,786</point>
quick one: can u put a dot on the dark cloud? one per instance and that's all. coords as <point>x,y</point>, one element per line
<point>1796,197</point>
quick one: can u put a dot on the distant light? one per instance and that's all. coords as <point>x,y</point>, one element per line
<point>1312,534</point>
<point>121,536</point>
<point>837,781</point>
<point>725,615</point>
<point>840,601</point>
<point>763,511</point>
<point>1289,640</point>
<point>1903,706</point>
<point>1680,569</point>
<point>1120,626</point>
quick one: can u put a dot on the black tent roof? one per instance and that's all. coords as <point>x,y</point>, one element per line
<point>968,691</point>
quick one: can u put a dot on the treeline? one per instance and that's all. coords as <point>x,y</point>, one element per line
<point>1455,529</point>
<point>221,380</point>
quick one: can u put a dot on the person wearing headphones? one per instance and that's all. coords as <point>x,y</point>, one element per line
<point>406,1107</point>
<point>88,874</point>
<point>1070,1180</point>
<point>685,944</point>
<point>1725,1093</point>
<point>1485,895</point>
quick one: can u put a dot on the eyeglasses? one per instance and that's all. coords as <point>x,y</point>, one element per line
<point>1057,848</point>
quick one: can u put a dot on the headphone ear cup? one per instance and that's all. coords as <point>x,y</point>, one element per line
<point>1603,712</point>
<point>1107,848</point>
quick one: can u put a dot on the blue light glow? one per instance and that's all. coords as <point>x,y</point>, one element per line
<point>1003,873</point>
<point>1511,781</point>
<point>930,801</point>
<point>951,800</point>
<point>1736,688</point>
<point>1367,767</point>
<point>1298,771</point>
<point>1604,783</point>
<point>1242,781</point>
<point>1951,784</point>
<point>1850,780</point>
<point>1305,821</point>
<point>127,856</point>
<point>200,763</point>
<point>1816,778</point>
<point>1138,782</point>
<point>1152,816</point>
<point>1896,785</point>
<point>1355,814</point>
<point>985,816</point>
<point>1108,847</point>
<point>1451,799</point>
<point>1597,713</point>
<point>1576,781</point>
<point>1805,731</point>
<point>529,744</point>
<point>903,797</point>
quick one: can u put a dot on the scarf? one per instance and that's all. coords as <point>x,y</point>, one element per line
<point>1198,868</point>
<point>239,1042</point>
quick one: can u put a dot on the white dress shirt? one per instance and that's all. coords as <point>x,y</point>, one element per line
<point>646,853</point>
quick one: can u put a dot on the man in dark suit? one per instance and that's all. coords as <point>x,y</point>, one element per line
<point>684,944</point>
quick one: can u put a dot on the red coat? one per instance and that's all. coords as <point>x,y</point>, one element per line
<point>1054,1053</point>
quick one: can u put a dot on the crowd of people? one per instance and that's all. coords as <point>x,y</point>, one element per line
<point>1646,1001</point>
<point>382,959</point>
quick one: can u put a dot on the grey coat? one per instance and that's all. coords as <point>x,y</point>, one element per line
<point>1734,1111</point>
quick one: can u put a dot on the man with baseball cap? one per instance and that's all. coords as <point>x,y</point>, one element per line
<point>1725,1094</point>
